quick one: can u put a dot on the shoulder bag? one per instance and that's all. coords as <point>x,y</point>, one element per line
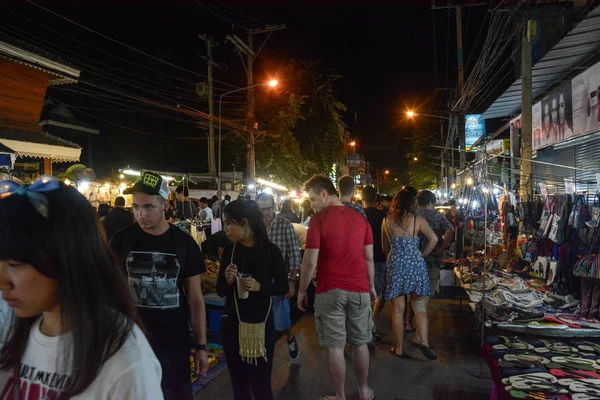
<point>251,337</point>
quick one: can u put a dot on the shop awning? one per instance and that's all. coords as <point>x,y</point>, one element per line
<point>576,50</point>
<point>39,145</point>
<point>7,157</point>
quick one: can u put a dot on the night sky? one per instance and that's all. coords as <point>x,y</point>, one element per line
<point>384,50</point>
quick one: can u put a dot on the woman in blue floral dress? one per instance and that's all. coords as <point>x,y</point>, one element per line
<point>406,269</point>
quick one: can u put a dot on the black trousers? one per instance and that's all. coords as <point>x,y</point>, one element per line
<point>178,392</point>
<point>248,380</point>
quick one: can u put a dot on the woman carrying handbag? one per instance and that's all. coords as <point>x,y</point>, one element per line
<point>256,271</point>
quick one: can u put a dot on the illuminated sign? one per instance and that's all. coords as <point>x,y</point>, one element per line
<point>474,129</point>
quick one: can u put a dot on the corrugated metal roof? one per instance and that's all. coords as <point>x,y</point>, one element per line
<point>574,50</point>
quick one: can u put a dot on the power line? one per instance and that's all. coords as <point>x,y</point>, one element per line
<point>124,44</point>
<point>241,13</point>
<point>221,16</point>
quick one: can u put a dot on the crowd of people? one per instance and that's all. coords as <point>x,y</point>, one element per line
<point>111,308</point>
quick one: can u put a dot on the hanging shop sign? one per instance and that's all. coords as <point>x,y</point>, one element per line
<point>555,116</point>
<point>586,111</point>
<point>474,129</point>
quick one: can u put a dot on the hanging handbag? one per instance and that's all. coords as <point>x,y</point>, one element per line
<point>251,337</point>
<point>595,214</point>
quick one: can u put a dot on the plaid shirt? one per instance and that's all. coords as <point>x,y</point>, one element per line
<point>281,232</point>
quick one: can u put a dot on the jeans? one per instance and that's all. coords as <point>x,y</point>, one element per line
<point>248,380</point>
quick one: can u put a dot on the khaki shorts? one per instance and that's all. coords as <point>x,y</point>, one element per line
<point>343,317</point>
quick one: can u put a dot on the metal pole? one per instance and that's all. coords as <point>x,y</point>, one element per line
<point>219,171</point>
<point>526,119</point>
<point>220,104</point>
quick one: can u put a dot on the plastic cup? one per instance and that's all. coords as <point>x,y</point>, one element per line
<point>242,293</point>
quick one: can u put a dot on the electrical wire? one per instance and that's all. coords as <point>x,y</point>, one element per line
<point>125,45</point>
<point>447,47</point>
<point>435,62</point>
<point>221,16</point>
<point>263,44</point>
<point>241,13</point>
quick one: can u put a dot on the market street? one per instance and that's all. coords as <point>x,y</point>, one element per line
<point>455,375</point>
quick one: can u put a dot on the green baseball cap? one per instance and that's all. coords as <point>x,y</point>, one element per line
<point>149,183</point>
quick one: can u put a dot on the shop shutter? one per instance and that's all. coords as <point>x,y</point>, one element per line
<point>551,174</point>
<point>587,156</point>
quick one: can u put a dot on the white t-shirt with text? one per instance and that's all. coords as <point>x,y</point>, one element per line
<point>133,372</point>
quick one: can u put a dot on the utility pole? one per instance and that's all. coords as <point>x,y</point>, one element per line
<point>251,126</point>
<point>251,156</point>
<point>461,83</point>
<point>526,118</point>
<point>212,162</point>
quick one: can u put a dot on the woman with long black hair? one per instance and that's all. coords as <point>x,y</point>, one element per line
<point>74,332</point>
<point>255,271</point>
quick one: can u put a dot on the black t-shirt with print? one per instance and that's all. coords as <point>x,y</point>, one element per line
<point>156,279</point>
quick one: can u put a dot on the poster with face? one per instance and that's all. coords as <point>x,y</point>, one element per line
<point>585,88</point>
<point>556,118</point>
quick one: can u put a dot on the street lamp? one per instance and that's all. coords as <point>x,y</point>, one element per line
<point>416,159</point>
<point>271,83</point>
<point>412,114</point>
<point>353,145</point>
<point>387,172</point>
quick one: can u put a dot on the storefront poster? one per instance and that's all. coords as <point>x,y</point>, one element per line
<point>556,118</point>
<point>586,113</point>
<point>474,129</point>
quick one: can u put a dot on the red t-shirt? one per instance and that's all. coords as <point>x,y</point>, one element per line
<point>340,234</point>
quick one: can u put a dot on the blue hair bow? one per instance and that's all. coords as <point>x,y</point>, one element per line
<point>34,192</point>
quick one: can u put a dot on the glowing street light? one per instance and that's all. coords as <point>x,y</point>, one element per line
<point>469,181</point>
<point>387,172</point>
<point>273,82</point>
<point>410,114</point>
<point>416,158</point>
<point>353,143</point>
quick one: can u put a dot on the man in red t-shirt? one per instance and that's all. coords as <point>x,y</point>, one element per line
<point>339,242</point>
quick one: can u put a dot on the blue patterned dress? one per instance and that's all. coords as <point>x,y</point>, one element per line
<point>406,270</point>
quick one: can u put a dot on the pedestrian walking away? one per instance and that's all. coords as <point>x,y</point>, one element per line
<point>163,265</point>
<point>255,272</point>
<point>339,245</point>
<point>282,233</point>
<point>375,218</point>
<point>118,218</point>
<point>72,316</point>
<point>347,189</point>
<point>406,272</point>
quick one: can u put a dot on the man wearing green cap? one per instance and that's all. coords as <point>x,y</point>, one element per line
<point>163,265</point>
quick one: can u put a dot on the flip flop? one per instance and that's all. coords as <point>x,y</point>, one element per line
<point>393,351</point>
<point>371,394</point>
<point>583,396</point>
<point>426,350</point>
<point>574,374</point>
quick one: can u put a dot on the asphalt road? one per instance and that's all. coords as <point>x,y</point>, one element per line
<point>455,375</point>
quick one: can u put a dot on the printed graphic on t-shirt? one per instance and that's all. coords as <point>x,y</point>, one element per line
<point>153,279</point>
<point>36,384</point>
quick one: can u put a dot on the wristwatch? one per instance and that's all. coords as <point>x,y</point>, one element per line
<point>200,347</point>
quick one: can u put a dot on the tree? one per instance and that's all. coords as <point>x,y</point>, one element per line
<point>421,173</point>
<point>299,136</point>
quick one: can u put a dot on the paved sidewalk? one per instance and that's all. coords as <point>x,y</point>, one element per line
<point>455,375</point>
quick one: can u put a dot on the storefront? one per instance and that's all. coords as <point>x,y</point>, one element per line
<point>33,153</point>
